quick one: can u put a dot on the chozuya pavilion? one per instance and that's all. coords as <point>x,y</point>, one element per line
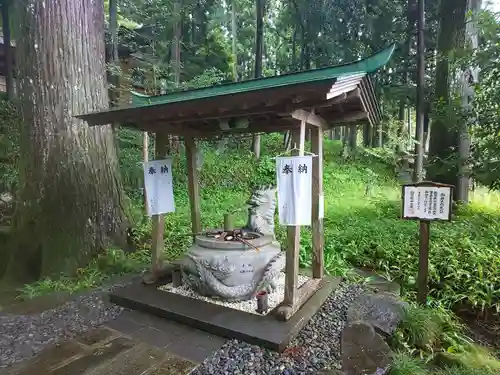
<point>238,264</point>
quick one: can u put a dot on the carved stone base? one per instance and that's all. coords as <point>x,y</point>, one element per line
<point>232,270</point>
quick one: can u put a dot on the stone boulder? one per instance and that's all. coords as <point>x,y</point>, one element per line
<point>377,283</point>
<point>383,311</point>
<point>364,351</point>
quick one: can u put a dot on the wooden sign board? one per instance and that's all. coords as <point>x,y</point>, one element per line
<point>427,201</point>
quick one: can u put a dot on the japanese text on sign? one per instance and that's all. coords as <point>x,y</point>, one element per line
<point>159,188</point>
<point>288,168</point>
<point>294,181</point>
<point>426,202</point>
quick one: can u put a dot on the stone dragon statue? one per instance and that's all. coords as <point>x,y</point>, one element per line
<point>209,277</point>
<point>262,206</point>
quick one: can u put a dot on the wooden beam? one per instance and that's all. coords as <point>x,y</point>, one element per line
<point>257,125</point>
<point>309,118</point>
<point>346,119</point>
<point>367,107</point>
<point>193,184</point>
<point>293,236</point>
<point>284,312</point>
<point>158,221</point>
<point>369,84</point>
<point>317,201</point>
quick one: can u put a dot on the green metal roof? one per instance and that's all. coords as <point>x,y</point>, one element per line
<point>367,65</point>
<point>266,102</point>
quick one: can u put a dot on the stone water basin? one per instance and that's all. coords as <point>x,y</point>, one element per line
<point>232,270</point>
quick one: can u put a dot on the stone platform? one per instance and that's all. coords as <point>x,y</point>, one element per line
<point>103,351</point>
<point>222,321</point>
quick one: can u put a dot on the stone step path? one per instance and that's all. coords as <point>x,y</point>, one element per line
<point>133,344</point>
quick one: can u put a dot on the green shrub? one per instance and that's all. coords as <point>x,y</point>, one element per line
<point>405,364</point>
<point>113,262</point>
<point>426,331</point>
<point>433,337</point>
<point>473,358</point>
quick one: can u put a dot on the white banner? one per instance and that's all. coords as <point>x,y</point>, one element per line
<point>159,188</point>
<point>294,181</point>
<point>428,203</point>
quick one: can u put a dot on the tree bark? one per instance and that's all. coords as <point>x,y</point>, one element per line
<point>176,50</point>
<point>234,31</point>
<point>113,27</point>
<point>259,40</point>
<point>410,23</point>
<point>444,141</point>
<point>418,172</point>
<point>71,195</point>
<point>469,78</point>
<point>9,61</point>
<point>173,141</point>
<point>353,137</point>
<point>366,134</point>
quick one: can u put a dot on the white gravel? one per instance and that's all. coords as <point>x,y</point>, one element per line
<point>316,348</point>
<point>249,306</point>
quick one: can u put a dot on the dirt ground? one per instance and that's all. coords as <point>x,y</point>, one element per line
<point>485,331</point>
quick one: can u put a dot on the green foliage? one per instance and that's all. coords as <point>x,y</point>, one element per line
<point>474,358</point>
<point>113,262</point>
<point>425,331</point>
<point>431,341</point>
<point>456,370</point>
<point>463,267</point>
<point>405,364</point>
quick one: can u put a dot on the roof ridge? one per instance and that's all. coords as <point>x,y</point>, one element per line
<point>366,65</point>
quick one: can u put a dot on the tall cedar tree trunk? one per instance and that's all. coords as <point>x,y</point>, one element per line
<point>71,195</point>
<point>234,34</point>
<point>173,141</point>
<point>9,66</point>
<point>259,42</point>
<point>469,78</point>
<point>444,141</point>
<point>410,23</point>
<point>113,27</point>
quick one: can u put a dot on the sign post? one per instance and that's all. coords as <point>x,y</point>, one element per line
<point>426,201</point>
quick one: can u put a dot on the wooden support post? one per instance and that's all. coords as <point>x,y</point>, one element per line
<point>293,244</point>
<point>145,159</point>
<point>423,262</point>
<point>317,201</point>
<point>158,221</point>
<point>305,292</point>
<point>193,185</point>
